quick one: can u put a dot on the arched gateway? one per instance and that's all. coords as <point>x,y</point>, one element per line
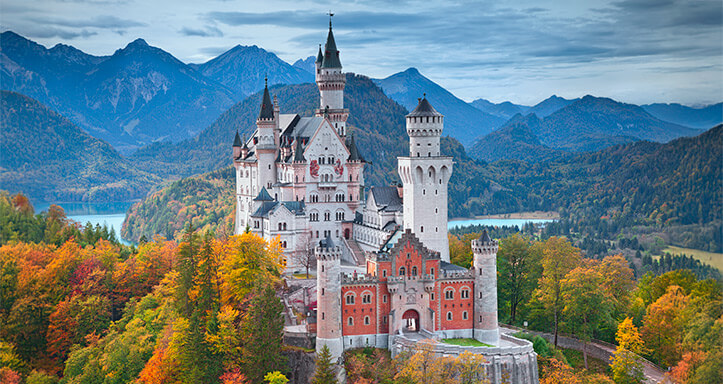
<point>411,320</point>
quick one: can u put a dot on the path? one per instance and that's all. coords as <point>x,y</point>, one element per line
<point>597,349</point>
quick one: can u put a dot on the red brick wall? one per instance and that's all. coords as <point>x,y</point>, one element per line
<point>456,306</point>
<point>384,308</point>
<point>358,311</point>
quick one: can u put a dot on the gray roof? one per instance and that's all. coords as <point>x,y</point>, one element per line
<point>237,140</point>
<point>424,109</point>
<point>331,54</point>
<point>354,154</point>
<point>320,55</point>
<point>295,207</point>
<point>299,152</point>
<point>388,227</point>
<point>263,195</point>
<point>387,198</point>
<point>265,208</point>
<point>326,243</point>
<point>445,266</point>
<point>267,109</point>
<point>485,238</point>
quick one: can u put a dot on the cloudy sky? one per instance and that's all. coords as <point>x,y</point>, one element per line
<point>637,51</point>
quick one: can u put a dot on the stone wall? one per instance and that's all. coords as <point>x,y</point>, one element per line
<point>301,365</point>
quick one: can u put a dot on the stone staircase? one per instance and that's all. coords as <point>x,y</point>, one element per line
<point>356,252</point>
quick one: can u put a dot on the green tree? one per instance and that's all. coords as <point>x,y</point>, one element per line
<point>186,267</point>
<point>324,368</point>
<point>262,333</point>
<point>276,377</point>
<point>558,257</point>
<point>519,270</point>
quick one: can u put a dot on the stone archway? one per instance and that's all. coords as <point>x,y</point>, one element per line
<point>411,321</point>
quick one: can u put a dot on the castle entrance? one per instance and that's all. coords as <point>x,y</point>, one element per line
<point>411,320</point>
<point>347,235</point>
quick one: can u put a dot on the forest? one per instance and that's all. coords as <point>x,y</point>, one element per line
<point>78,307</point>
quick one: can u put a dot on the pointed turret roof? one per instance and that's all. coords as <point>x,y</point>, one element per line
<point>320,55</point>
<point>485,237</point>
<point>424,109</point>
<point>237,140</point>
<point>267,109</point>
<point>354,154</point>
<point>299,152</point>
<point>263,195</point>
<point>327,243</point>
<point>331,54</point>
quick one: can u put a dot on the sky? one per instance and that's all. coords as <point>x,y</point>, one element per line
<point>635,51</point>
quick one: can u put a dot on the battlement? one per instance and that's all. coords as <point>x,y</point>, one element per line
<point>358,279</point>
<point>487,247</point>
<point>330,253</point>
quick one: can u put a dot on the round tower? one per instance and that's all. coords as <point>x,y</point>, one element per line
<point>267,144</point>
<point>425,174</point>
<point>328,297</point>
<point>331,81</point>
<point>484,252</point>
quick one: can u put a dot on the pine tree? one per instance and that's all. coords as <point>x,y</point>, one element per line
<point>324,368</point>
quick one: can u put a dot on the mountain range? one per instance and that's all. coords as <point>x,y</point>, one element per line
<point>584,125</point>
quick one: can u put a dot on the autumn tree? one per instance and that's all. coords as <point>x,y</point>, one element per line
<point>662,326</point>
<point>324,368</point>
<point>519,270</point>
<point>262,334</point>
<point>626,365</point>
<point>558,257</point>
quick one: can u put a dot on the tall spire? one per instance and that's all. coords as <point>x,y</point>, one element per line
<point>320,55</point>
<point>267,109</point>
<point>331,54</point>
<point>237,140</point>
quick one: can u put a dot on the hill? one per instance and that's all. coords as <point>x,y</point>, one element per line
<point>703,118</point>
<point>504,110</point>
<point>242,69</point>
<point>586,125</point>
<point>461,120</point>
<point>48,158</point>
<point>550,105</point>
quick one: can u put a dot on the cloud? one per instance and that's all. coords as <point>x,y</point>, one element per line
<point>208,31</point>
<point>101,21</point>
<point>46,32</point>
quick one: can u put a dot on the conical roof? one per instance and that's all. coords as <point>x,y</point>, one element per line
<point>424,109</point>
<point>263,195</point>
<point>299,152</point>
<point>237,140</point>
<point>485,238</point>
<point>354,154</point>
<point>267,109</point>
<point>320,55</point>
<point>331,54</point>
<point>327,243</point>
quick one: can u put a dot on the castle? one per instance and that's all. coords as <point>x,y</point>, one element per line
<point>300,179</point>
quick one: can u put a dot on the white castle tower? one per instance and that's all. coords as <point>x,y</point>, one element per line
<point>328,297</point>
<point>425,174</point>
<point>268,142</point>
<point>331,82</point>
<point>484,262</point>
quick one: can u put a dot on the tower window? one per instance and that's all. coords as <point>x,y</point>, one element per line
<point>464,315</point>
<point>402,271</point>
<point>414,271</point>
<point>350,299</point>
<point>449,316</point>
<point>350,321</point>
<point>449,294</point>
<point>421,229</point>
<point>464,293</point>
<point>366,320</point>
<point>431,271</point>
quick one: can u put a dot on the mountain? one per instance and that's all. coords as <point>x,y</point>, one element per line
<point>138,95</point>
<point>704,117</point>
<point>242,69</point>
<point>517,139</point>
<point>504,110</point>
<point>49,158</point>
<point>586,125</point>
<point>308,64</point>
<point>461,120</point>
<point>550,105</point>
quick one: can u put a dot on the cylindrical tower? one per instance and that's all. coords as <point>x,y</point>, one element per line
<point>331,81</point>
<point>328,297</point>
<point>266,145</point>
<point>484,252</point>
<point>425,174</point>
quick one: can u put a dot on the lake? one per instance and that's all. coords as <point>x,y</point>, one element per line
<point>494,222</point>
<point>110,214</point>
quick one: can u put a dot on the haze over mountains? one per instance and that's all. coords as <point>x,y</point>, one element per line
<point>177,119</point>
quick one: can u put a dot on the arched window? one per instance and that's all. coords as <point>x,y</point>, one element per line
<point>402,271</point>
<point>449,316</point>
<point>431,271</point>
<point>464,315</point>
<point>350,321</point>
<point>464,293</point>
<point>366,298</point>
<point>366,320</point>
<point>449,293</point>
<point>350,299</point>
<point>414,271</point>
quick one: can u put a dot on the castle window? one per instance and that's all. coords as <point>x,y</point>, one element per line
<point>350,299</point>
<point>366,320</point>
<point>402,271</point>
<point>414,271</point>
<point>464,315</point>
<point>384,298</point>
<point>327,216</point>
<point>480,295</point>
<point>321,160</point>
<point>322,269</point>
<point>429,154</point>
<point>317,234</point>
<point>350,321</point>
<point>421,229</point>
<point>449,316</point>
<point>449,294</point>
<point>367,299</point>
<point>384,319</point>
<point>384,273</point>
<point>464,293</point>
<point>480,319</point>
<point>322,290</point>
<point>431,296</point>
<point>431,271</point>
<point>322,316</point>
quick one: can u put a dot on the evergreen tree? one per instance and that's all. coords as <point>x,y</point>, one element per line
<point>262,333</point>
<point>186,267</point>
<point>324,368</point>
